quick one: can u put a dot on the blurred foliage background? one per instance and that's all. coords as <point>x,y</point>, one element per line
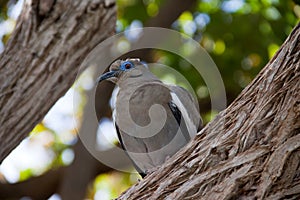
<point>241,36</point>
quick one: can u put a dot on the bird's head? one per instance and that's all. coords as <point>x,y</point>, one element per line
<point>119,70</point>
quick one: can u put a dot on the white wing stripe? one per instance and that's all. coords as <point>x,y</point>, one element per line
<point>190,125</point>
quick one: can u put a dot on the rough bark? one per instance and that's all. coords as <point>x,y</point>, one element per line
<point>249,151</point>
<point>41,60</point>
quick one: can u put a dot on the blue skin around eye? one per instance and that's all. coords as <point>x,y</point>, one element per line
<point>123,68</point>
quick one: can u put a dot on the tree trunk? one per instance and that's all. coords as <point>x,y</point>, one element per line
<point>42,58</point>
<point>249,151</point>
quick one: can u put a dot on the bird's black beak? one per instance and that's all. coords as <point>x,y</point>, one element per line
<point>107,75</point>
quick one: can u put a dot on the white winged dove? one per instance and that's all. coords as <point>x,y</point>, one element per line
<point>153,120</point>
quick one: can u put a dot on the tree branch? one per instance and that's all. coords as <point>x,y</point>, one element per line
<point>41,60</point>
<point>249,151</point>
<point>41,187</point>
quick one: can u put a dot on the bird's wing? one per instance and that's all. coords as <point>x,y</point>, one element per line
<point>188,106</point>
<point>181,122</point>
<point>140,171</point>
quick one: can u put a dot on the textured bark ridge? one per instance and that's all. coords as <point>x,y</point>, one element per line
<point>41,60</point>
<point>249,151</point>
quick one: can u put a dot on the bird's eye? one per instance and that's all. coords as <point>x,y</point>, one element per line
<point>127,66</point>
